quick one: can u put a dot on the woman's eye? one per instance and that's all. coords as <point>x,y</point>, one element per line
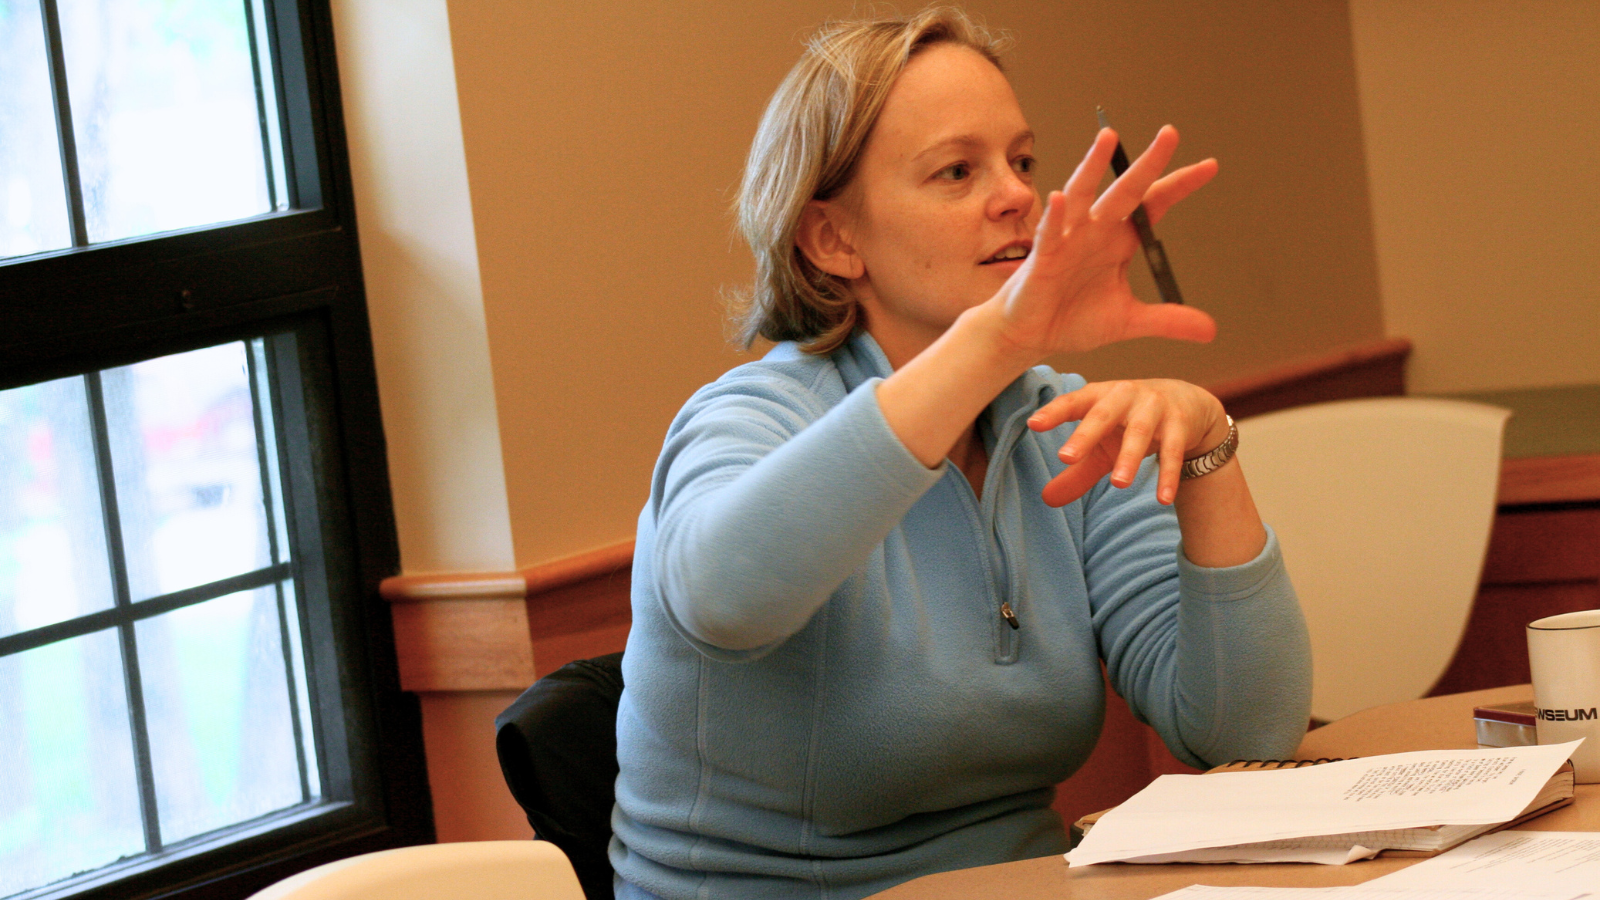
<point>957,172</point>
<point>1023,165</point>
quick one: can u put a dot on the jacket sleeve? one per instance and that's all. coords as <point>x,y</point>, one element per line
<point>765,501</point>
<point>1218,661</point>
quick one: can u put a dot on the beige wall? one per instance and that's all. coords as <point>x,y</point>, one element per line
<point>419,259</point>
<point>1483,143</point>
<point>603,142</point>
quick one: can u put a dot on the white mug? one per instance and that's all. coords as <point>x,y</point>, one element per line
<point>1564,653</point>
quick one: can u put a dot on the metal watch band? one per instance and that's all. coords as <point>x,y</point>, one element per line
<point>1216,458</point>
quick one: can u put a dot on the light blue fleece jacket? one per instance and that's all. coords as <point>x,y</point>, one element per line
<point>823,699</point>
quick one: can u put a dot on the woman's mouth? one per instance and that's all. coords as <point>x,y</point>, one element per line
<point>1010,253</point>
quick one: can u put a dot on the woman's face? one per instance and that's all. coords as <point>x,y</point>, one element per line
<point>942,205</point>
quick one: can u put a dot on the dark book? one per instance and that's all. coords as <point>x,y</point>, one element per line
<point>1506,725</point>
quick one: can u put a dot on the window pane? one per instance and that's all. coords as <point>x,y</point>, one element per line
<point>164,110</point>
<point>279,536</point>
<point>69,799</point>
<point>53,563</point>
<point>183,446</point>
<point>217,704</point>
<point>33,201</point>
<point>270,123</point>
<point>302,694</point>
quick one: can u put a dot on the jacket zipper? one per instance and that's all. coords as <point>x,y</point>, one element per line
<point>1007,643</point>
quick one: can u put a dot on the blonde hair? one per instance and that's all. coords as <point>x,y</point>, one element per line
<point>806,148</point>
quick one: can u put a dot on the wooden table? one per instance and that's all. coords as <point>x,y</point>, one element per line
<point>1436,723</point>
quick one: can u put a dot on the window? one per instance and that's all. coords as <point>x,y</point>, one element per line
<point>148,617</point>
<point>198,693</point>
<point>129,117</point>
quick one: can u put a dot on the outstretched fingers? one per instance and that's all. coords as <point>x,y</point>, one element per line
<point>1047,235</point>
<point>1138,431</point>
<point>1076,481</point>
<point>1100,425</point>
<point>1169,190</point>
<point>1096,408</point>
<point>1170,459</point>
<point>1120,424</point>
<point>1128,191</point>
<point>1066,408</point>
<point>1086,462</point>
<point>1084,185</point>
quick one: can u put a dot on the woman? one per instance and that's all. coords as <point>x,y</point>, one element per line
<point>864,647</point>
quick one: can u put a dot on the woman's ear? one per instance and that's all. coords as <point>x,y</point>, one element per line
<point>822,238</point>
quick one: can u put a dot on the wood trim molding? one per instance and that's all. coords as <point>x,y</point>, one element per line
<point>526,583</point>
<point>1320,365</point>
<point>463,644</point>
<point>460,631</point>
<point>454,586</point>
<point>1369,369</point>
<point>580,606</point>
<point>495,631</point>
<point>1550,479</point>
<point>572,570</point>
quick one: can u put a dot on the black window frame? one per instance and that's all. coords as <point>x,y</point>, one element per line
<point>295,278</point>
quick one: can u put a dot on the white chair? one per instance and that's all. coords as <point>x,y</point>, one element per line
<point>475,870</point>
<point>1383,509</point>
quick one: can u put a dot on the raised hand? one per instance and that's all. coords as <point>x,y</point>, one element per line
<point>1121,422</point>
<point>1072,292</point>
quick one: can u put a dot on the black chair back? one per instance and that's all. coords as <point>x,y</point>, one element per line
<point>557,745</point>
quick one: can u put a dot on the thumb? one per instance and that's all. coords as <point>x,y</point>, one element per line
<point>1172,320</point>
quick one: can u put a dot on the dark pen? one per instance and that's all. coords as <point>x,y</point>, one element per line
<point>1154,254</point>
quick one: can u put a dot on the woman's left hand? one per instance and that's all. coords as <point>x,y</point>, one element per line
<point>1122,422</point>
<point>1071,294</point>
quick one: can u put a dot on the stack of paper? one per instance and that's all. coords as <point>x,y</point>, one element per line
<point>1508,862</point>
<point>1367,891</point>
<point>1510,865</point>
<point>1332,814</point>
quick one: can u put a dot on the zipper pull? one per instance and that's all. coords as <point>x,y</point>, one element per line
<point>1010,616</point>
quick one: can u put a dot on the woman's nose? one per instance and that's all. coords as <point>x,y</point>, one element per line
<point>1012,195</point>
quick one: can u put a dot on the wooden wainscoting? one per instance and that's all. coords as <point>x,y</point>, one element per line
<point>1369,369</point>
<point>1550,479</point>
<point>1543,560</point>
<point>498,631</point>
<point>469,642</point>
<point>579,607</point>
<point>463,631</point>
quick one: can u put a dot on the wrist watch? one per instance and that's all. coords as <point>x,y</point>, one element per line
<point>1216,458</point>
